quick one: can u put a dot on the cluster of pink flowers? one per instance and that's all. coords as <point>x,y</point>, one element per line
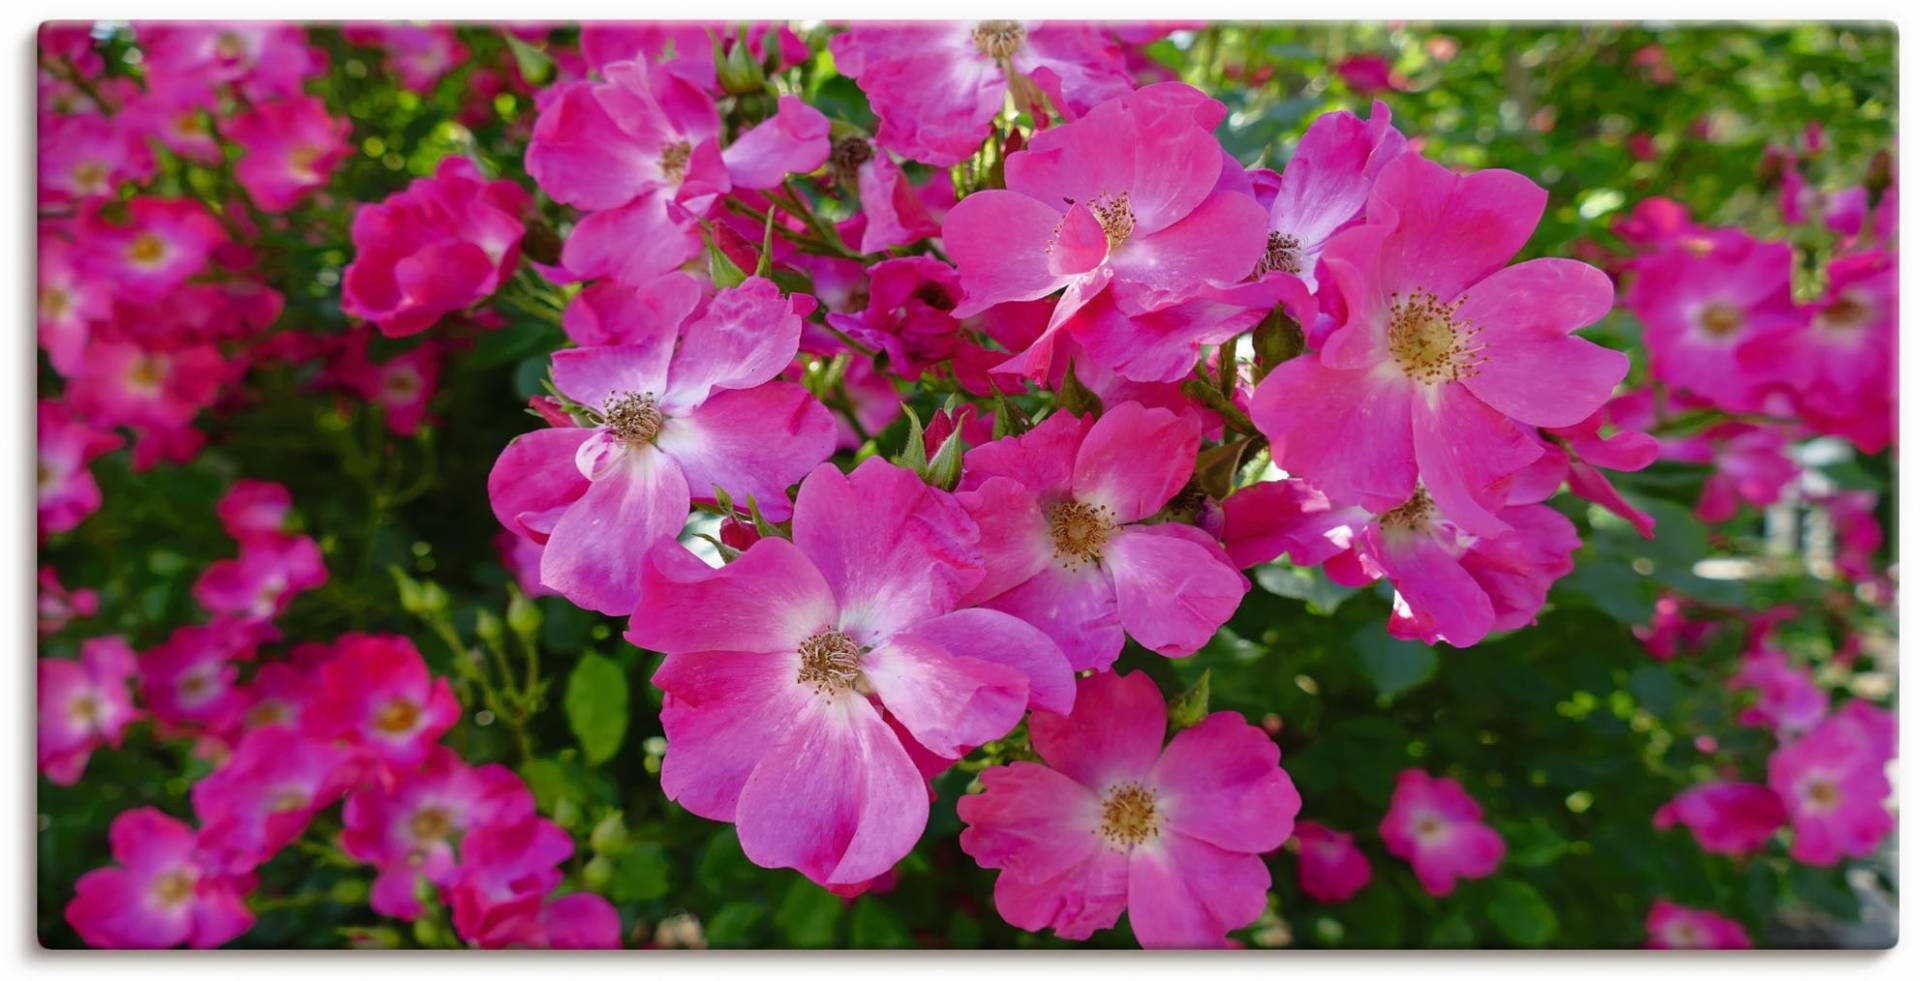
<point>355,722</point>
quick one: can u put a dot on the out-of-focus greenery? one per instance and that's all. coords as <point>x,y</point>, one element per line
<point>1567,732</point>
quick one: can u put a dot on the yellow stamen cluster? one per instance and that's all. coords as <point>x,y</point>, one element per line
<point>1429,342</point>
<point>1129,815</point>
<point>397,717</point>
<point>673,160</point>
<point>635,417</point>
<point>1115,214</point>
<point>1079,532</point>
<point>1720,320</point>
<point>1283,254</point>
<point>430,824</point>
<point>999,39</point>
<point>1412,515</point>
<point>830,662</point>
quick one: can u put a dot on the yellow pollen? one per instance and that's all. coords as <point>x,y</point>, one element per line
<point>230,45</point>
<point>190,124</point>
<point>1129,815</point>
<point>1428,341</point>
<point>1411,515</point>
<point>1720,320</point>
<point>1428,826</point>
<point>830,662</point>
<point>999,39</point>
<point>147,373</point>
<point>195,685</point>
<point>673,160</point>
<point>90,176</point>
<point>1823,794</point>
<point>302,159</point>
<point>85,709</point>
<point>288,799</point>
<point>1115,213</point>
<point>1844,313</point>
<point>1079,532</point>
<point>402,386</point>
<point>147,249</point>
<point>1283,254</point>
<point>635,417</point>
<point>430,824</point>
<point>174,887</point>
<point>55,302</point>
<point>266,714</point>
<point>397,717</point>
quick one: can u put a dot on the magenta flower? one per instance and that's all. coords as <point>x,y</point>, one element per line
<point>1575,455</point>
<point>441,245</point>
<point>409,829</point>
<point>67,492</point>
<point>785,667</point>
<point>909,314</point>
<point>420,55</point>
<point>55,605</point>
<point>291,148</point>
<point>936,86</point>
<point>264,59</point>
<point>677,420</point>
<point>162,242</point>
<point>88,157</point>
<point>1726,817</point>
<point>1703,306</point>
<point>1125,199</point>
<point>1674,927</point>
<point>622,149</point>
<point>1857,532</point>
<point>71,303</point>
<point>176,111</point>
<point>378,694</point>
<point>506,870</point>
<point>1366,73</point>
<point>1111,821</point>
<point>83,706</point>
<point>1442,355</point>
<point>1324,188</point>
<point>266,793</point>
<point>1433,824</point>
<point>254,508</point>
<point>1786,698</point>
<point>1834,783</point>
<point>1840,365</point>
<point>576,921</point>
<point>1750,465</point>
<point>892,211</point>
<point>189,682</point>
<point>402,386</point>
<point>269,572</point>
<point>163,892</point>
<point>1332,867</point>
<point>1063,514</point>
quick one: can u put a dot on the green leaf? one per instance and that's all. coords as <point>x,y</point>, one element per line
<point>640,874</point>
<point>1310,586</point>
<point>1393,665</point>
<point>535,65</point>
<point>597,706</point>
<point>1189,707</point>
<point>1522,914</point>
<point>808,915</point>
<point>874,925</point>
<point>550,784</point>
<point>733,925</point>
<point>1453,932</point>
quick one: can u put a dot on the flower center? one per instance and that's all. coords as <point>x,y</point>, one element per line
<point>174,887</point>
<point>147,249</point>
<point>288,799</point>
<point>230,45</point>
<point>1428,828</point>
<point>268,713</point>
<point>90,176</point>
<point>1115,214</point>
<point>830,662</point>
<point>85,710</point>
<point>999,39</point>
<point>146,374</point>
<point>1412,515</point>
<point>1283,254</point>
<point>303,158</point>
<point>1845,313</point>
<point>402,386</point>
<point>1719,320</point>
<point>430,824</point>
<point>1079,532</point>
<point>397,718</point>
<point>635,417</point>
<point>1429,343</point>
<point>55,302</point>
<point>673,160</point>
<point>1823,794</point>
<point>1129,815</point>
<point>848,154</point>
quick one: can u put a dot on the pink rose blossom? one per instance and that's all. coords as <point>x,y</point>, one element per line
<point>266,60</point>
<point>266,576</point>
<point>781,664</point>
<point>1674,927</point>
<point>71,303</point>
<point>67,492</point>
<point>420,55</point>
<point>936,86</point>
<point>410,830</point>
<point>1366,73</point>
<point>254,508</point>
<point>1443,353</point>
<point>1840,364</point>
<point>1111,821</point>
<point>443,244</point>
<point>162,242</point>
<point>1702,307</point>
<point>56,605</point>
<point>402,386</point>
<point>176,111</point>
<point>1787,700</point>
<point>1332,867</point>
<point>264,795</point>
<point>577,921</point>
<point>1834,783</point>
<point>162,893</point>
<point>679,417</point>
<point>291,147</point>
<point>506,870</point>
<point>1434,825</point>
<point>1063,512</point>
<point>1324,188</point>
<point>190,682</point>
<point>83,706</point>
<point>88,157</point>
<point>378,694</point>
<point>1084,212</point>
<point>1726,817</point>
<point>1857,533</point>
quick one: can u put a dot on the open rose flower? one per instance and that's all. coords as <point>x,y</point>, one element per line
<point>1332,867</point>
<point>1433,824</point>
<point>1726,816</point>
<point>163,893</point>
<point>291,147</point>
<point>804,679</point>
<point>1109,820</point>
<point>1674,927</point>
<point>83,705</point>
<point>444,243</point>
